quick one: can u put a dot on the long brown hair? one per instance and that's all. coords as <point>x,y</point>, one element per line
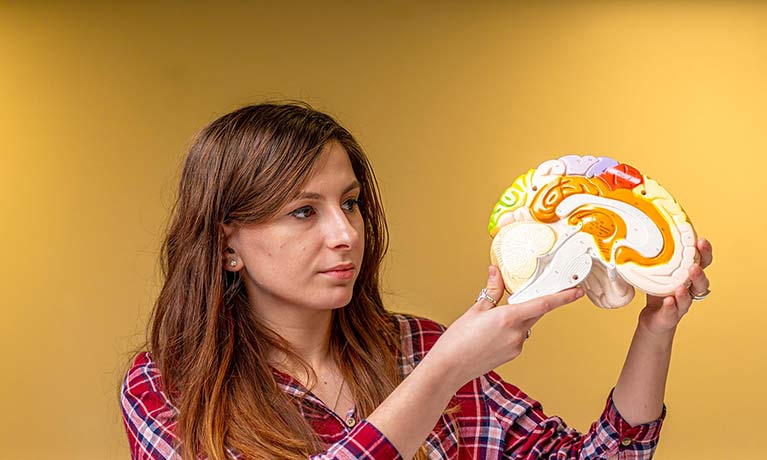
<point>209,346</point>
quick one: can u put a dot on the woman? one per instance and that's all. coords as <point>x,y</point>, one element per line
<point>269,339</point>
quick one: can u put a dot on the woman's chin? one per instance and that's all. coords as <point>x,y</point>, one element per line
<point>343,300</point>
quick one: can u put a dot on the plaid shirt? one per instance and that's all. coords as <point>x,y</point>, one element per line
<point>496,420</point>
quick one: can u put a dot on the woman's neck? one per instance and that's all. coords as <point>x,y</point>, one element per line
<point>308,333</point>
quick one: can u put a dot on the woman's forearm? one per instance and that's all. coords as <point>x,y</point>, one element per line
<point>639,393</point>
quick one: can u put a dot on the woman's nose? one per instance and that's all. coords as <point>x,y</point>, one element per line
<point>340,232</point>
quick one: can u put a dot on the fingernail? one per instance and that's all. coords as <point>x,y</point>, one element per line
<point>579,293</point>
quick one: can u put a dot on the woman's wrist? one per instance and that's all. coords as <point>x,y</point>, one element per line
<point>448,374</point>
<point>647,334</point>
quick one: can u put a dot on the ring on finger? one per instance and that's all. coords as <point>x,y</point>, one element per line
<point>700,296</point>
<point>484,295</point>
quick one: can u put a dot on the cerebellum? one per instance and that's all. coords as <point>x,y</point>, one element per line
<point>594,222</point>
<point>516,248</point>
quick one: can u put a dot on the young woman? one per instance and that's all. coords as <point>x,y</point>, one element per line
<point>269,339</point>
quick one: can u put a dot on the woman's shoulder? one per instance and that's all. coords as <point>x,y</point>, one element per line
<point>417,334</point>
<point>143,366</point>
<point>148,414</point>
<point>143,378</point>
<point>418,323</point>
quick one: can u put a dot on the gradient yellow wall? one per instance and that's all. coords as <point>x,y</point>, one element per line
<point>97,105</point>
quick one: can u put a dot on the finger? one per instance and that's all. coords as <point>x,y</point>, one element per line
<point>542,305</point>
<point>706,252</point>
<point>494,288</point>
<point>682,298</point>
<point>699,283</point>
<point>669,304</point>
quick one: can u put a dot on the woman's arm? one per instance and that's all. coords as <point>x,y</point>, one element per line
<point>486,337</point>
<point>480,340</point>
<point>638,395</point>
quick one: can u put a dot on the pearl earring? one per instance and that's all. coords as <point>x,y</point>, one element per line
<point>232,263</point>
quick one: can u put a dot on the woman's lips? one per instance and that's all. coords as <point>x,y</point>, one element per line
<point>340,273</point>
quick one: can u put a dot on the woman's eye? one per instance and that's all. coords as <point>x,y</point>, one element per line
<point>303,212</point>
<point>351,204</point>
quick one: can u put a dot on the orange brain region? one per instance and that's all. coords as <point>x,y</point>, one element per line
<point>594,222</point>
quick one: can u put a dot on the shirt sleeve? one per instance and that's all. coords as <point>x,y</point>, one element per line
<point>530,434</point>
<point>150,423</point>
<point>365,442</point>
<point>148,415</point>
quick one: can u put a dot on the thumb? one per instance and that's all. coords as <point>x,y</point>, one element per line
<point>494,288</point>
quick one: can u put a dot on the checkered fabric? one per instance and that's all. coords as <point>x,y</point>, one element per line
<point>496,420</point>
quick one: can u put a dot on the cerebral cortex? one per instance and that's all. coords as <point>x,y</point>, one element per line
<point>594,222</point>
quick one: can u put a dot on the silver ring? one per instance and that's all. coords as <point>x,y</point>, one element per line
<point>529,333</point>
<point>700,296</point>
<point>484,295</point>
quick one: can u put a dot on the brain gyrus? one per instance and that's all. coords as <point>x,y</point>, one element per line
<point>594,222</point>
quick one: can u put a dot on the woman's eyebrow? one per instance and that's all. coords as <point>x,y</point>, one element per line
<point>317,196</point>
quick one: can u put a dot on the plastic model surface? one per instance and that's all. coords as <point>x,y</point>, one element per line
<point>594,222</point>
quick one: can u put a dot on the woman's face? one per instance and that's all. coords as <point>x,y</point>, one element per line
<point>308,256</point>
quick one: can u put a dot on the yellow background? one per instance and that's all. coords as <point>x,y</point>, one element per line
<point>452,102</point>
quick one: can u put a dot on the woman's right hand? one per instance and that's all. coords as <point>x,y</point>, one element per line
<point>487,336</point>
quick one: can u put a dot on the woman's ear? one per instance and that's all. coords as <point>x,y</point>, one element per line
<point>230,258</point>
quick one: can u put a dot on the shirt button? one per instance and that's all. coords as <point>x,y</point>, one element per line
<point>626,441</point>
<point>350,422</point>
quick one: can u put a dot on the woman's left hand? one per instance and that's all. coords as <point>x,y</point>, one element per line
<point>662,314</point>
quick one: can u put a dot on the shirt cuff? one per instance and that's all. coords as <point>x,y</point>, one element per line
<point>633,437</point>
<point>364,442</point>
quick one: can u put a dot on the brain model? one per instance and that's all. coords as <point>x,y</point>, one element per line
<point>591,221</point>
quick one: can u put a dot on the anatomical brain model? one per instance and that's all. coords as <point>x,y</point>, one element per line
<point>591,221</point>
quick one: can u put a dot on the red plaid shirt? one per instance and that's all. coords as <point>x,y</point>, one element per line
<point>496,419</point>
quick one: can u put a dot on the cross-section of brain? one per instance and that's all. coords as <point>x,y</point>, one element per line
<point>591,221</point>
